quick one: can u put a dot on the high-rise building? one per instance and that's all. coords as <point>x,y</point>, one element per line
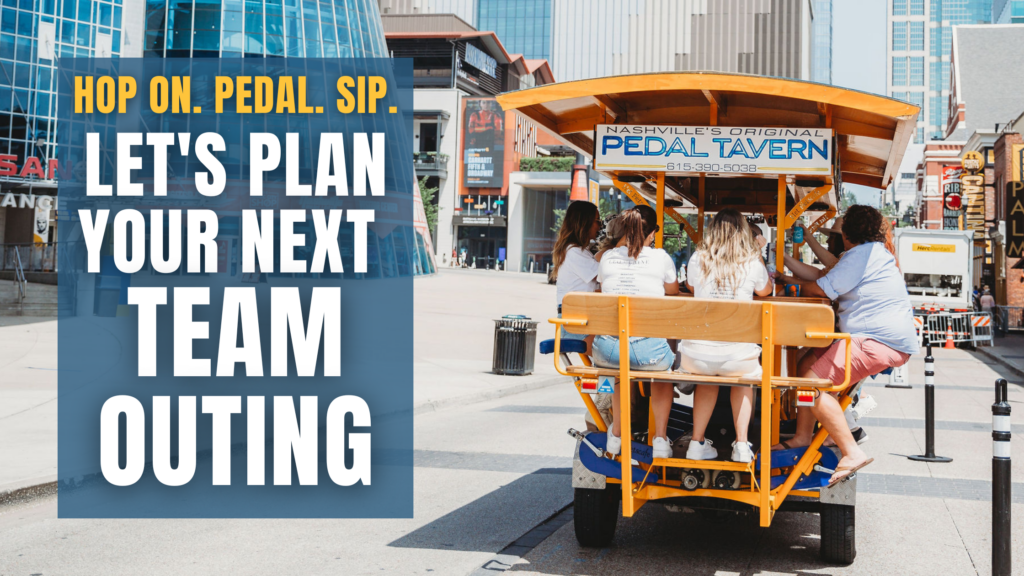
<point>524,26</point>
<point>1008,12</point>
<point>273,28</point>
<point>595,38</point>
<point>33,34</point>
<point>919,37</point>
<point>821,42</point>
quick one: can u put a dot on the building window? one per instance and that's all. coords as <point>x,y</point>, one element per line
<point>900,96</point>
<point>937,114</point>
<point>899,71</point>
<point>899,36</point>
<point>920,136</point>
<point>945,77</point>
<point>916,98</point>
<point>899,7</point>
<point>917,35</point>
<point>917,71</point>
<point>917,7</point>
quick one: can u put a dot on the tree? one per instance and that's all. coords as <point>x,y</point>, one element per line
<point>427,194</point>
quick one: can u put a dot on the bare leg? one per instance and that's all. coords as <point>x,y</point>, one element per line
<point>704,399</point>
<point>742,405</point>
<point>830,414</point>
<point>661,402</point>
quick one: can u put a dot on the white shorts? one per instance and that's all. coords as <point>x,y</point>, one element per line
<point>743,368</point>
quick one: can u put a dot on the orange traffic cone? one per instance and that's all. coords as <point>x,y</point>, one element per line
<point>949,339</point>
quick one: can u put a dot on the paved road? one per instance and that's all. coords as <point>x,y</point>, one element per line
<point>492,474</point>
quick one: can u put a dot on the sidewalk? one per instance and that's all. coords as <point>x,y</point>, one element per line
<point>454,336</point>
<point>1008,350</point>
<point>28,402</point>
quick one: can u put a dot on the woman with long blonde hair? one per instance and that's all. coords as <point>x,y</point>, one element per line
<point>727,266</point>
<point>575,268</point>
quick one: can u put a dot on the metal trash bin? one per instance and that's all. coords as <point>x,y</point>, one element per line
<point>515,339</point>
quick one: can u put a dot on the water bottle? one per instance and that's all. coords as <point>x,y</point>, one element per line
<point>798,235</point>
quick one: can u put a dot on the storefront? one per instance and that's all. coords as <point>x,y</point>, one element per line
<point>482,241</point>
<point>28,226</point>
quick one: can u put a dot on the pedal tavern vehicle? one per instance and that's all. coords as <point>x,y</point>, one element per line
<point>697,143</point>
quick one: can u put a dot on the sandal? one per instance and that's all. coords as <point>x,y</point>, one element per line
<point>785,446</point>
<point>849,472</point>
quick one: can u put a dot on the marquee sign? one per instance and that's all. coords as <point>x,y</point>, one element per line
<point>714,149</point>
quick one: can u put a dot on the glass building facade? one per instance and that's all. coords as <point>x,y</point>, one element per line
<point>1008,11</point>
<point>821,42</point>
<point>33,34</point>
<point>263,28</point>
<point>524,26</point>
<point>920,40</point>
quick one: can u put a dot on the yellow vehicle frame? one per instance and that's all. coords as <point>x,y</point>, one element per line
<point>871,136</point>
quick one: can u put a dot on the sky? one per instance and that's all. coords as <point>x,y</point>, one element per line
<point>858,57</point>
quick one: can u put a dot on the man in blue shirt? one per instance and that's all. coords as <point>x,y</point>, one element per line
<point>874,308</point>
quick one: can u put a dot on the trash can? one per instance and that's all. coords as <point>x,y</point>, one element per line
<point>515,338</point>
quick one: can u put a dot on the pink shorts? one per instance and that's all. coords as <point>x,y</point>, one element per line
<point>869,357</point>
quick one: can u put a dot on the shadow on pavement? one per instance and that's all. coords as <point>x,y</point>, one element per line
<point>656,541</point>
<point>492,521</point>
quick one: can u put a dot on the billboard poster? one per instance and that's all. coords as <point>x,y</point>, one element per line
<point>485,143</point>
<point>717,149</point>
<point>1015,220</point>
<point>951,200</point>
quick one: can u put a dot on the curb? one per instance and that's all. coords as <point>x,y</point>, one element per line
<point>27,493</point>
<point>999,359</point>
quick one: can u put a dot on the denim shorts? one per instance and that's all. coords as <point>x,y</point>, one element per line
<point>645,354</point>
<point>568,336</point>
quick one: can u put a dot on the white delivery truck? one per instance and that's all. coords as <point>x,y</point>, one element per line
<point>936,265</point>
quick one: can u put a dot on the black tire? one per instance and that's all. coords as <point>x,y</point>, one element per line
<point>595,513</point>
<point>838,534</point>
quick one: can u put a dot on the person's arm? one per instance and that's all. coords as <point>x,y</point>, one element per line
<point>671,288</point>
<point>824,256</point>
<point>670,276</point>
<point>801,270</point>
<point>808,288</point>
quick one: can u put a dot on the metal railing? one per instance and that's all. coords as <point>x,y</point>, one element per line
<point>1008,318</point>
<point>19,277</point>
<point>29,257</point>
<point>430,161</point>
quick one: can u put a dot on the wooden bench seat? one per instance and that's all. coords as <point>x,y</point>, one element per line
<point>639,376</point>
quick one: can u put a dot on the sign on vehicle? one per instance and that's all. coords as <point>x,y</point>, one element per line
<point>714,149</point>
<point>934,247</point>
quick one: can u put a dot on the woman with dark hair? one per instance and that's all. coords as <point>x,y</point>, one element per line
<point>634,268</point>
<point>575,268</point>
<point>874,308</point>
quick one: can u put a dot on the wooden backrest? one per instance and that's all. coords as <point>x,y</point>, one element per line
<point>699,318</point>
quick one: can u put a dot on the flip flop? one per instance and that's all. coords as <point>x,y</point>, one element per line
<point>785,446</point>
<point>849,472</point>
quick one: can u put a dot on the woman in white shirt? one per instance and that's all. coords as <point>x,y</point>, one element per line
<point>726,266</point>
<point>575,268</point>
<point>633,268</point>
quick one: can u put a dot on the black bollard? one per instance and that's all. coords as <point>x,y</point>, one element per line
<point>1001,486</point>
<point>929,413</point>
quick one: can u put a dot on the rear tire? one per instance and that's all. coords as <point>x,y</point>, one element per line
<point>838,534</point>
<point>595,514</point>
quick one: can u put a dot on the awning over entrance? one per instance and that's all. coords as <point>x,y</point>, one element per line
<point>871,131</point>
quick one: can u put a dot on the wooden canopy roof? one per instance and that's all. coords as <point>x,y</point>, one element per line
<point>872,131</point>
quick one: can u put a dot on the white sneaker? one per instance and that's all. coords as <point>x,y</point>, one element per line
<point>864,406</point>
<point>662,448</point>
<point>742,452</point>
<point>701,450</point>
<point>614,444</point>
